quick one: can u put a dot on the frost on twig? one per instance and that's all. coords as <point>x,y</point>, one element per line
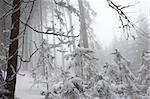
<point>126,23</point>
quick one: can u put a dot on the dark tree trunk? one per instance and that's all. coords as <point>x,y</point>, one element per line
<point>12,63</point>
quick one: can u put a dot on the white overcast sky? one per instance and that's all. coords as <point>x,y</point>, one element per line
<point>106,22</point>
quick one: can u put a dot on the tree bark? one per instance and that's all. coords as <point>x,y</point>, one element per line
<point>83,31</point>
<point>12,63</point>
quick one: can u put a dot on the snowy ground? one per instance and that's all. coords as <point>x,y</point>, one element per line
<point>25,88</point>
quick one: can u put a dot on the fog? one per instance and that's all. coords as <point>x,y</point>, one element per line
<point>74,49</point>
<point>106,23</point>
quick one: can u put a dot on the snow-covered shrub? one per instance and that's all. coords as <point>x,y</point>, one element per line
<point>3,67</point>
<point>144,73</point>
<point>78,80</point>
<point>3,57</point>
<point>122,81</point>
<point>82,81</point>
<point>3,90</point>
<point>83,63</point>
<point>44,70</point>
<point>72,87</point>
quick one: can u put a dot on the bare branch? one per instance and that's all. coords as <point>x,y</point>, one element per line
<point>50,33</point>
<point>126,26</point>
<point>29,59</point>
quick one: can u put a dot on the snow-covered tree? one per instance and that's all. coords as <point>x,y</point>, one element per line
<point>84,63</point>
<point>121,79</point>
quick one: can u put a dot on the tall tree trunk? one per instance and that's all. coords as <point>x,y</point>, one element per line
<point>41,28</point>
<point>12,63</point>
<point>83,31</point>
<point>70,25</point>
<point>53,27</point>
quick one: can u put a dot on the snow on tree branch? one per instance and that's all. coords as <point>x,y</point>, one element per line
<point>126,24</point>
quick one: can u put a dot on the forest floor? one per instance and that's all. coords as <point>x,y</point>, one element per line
<point>25,89</point>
